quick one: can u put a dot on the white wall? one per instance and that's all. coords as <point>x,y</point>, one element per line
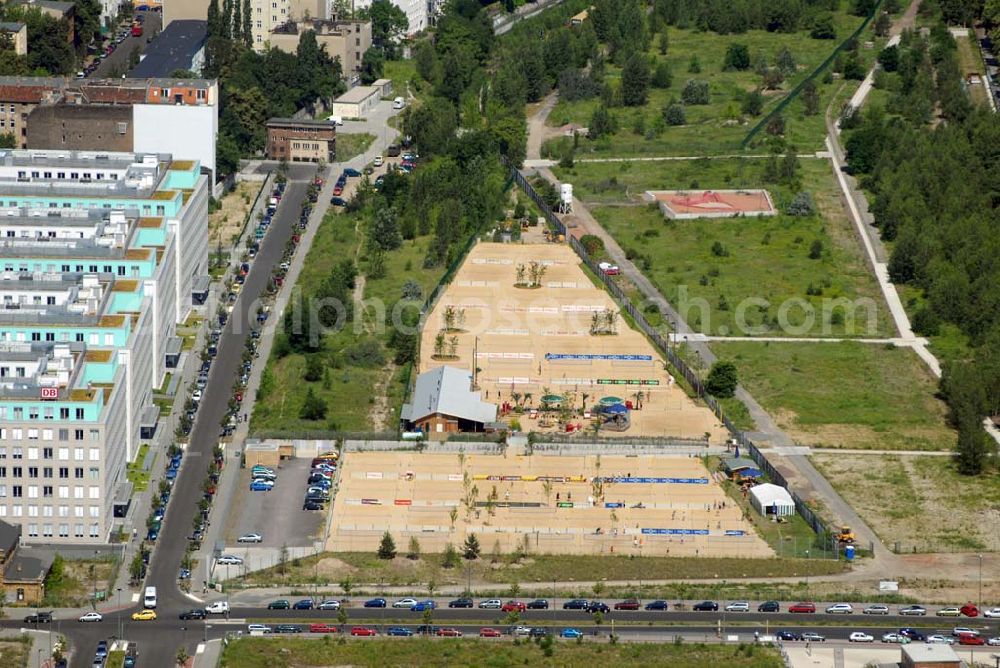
<point>187,133</point>
<point>415,10</point>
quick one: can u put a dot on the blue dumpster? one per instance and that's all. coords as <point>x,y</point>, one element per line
<point>849,553</point>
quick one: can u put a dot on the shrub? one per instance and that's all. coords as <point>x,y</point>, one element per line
<point>695,92</point>
<point>674,114</point>
<point>802,205</point>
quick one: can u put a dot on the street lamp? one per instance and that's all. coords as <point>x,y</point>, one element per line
<point>980,601</point>
<point>119,606</point>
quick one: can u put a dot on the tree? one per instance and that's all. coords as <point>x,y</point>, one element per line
<point>601,123</point>
<point>695,92</point>
<point>663,42</point>
<point>450,557</point>
<point>971,450</point>
<point>722,380</point>
<point>387,547</point>
<point>389,24</point>
<point>136,567</point>
<point>470,550</point>
<point>663,76</point>
<point>785,61</point>
<point>413,553</point>
<point>432,125</point>
<point>214,28</point>
<point>882,25</point>
<point>802,205</point>
<point>314,407</point>
<point>737,58</point>
<point>674,114</point>
<point>247,24</point>
<point>816,250</point>
<point>823,27</point>
<point>888,58</point>
<point>372,65</point>
<point>635,80</point>
<point>314,368</point>
<point>773,78</point>
<point>753,103</point>
<point>181,658</point>
<point>810,98</point>
<point>776,126</point>
<point>55,578</point>
<point>383,234</point>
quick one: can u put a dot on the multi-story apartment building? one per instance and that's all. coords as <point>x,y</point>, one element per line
<point>417,12</point>
<point>98,257</point>
<point>347,40</point>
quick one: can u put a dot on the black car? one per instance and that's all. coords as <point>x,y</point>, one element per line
<point>787,635</point>
<point>312,505</point>
<point>576,604</point>
<point>288,628</point>
<point>769,606</point>
<point>538,604</point>
<point>706,606</point>
<point>912,634</point>
<point>597,606</point>
<point>460,603</point>
<point>540,632</point>
<point>193,614</point>
<point>426,630</point>
<point>38,618</point>
<point>658,605</point>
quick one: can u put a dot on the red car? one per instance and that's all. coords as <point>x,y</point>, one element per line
<point>513,606</point>
<point>489,633</point>
<point>323,628</point>
<point>627,604</point>
<point>449,633</point>
<point>337,190</point>
<point>970,639</point>
<point>802,607</point>
<point>970,610</point>
<point>362,631</point>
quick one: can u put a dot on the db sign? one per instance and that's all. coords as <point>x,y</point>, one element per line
<point>50,393</point>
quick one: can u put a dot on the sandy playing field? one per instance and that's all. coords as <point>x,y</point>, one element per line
<point>538,341</point>
<point>664,506</point>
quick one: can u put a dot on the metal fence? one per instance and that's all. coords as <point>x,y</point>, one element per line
<point>788,99</point>
<point>663,345</point>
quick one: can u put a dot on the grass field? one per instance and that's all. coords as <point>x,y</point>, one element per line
<point>14,651</point>
<point>274,653</point>
<point>362,568</point>
<point>971,60</point>
<point>717,127</point>
<point>922,503</point>
<point>350,145</point>
<point>844,395</point>
<point>760,258</point>
<point>352,391</point>
<point>136,474</point>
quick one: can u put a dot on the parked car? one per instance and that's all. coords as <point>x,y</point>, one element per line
<point>627,604</point>
<point>994,641</point>
<point>362,631</point>
<point>329,605</point>
<point>448,632</point>
<point>658,605</point>
<point>39,618</point>
<point>969,610</point>
<point>323,628</point>
<point>802,608</point>
<point>288,628</point>
<point>895,638</point>
<point>949,612</point>
<point>912,634</point>
<point>513,606</point>
<point>423,605</point>
<point>705,606</point>
<point>304,604</point>
<point>351,172</point>
<point>876,609</point>
<point>959,630</point>
<point>399,631</point>
<point>195,613</point>
<point>229,560</point>
<point>378,603</point>
<point>217,607</point>
<point>787,635</point>
<point>91,617</point>
<point>144,616</point>
<point>404,603</point>
<point>991,612</point>
<point>571,633</point>
<point>598,606</point>
<point>939,639</point>
<point>491,604</point>
<point>538,604</point>
<point>971,639</point>
<point>280,604</point>
<point>914,610</point>
<point>250,538</point>
<point>487,632</point>
<point>312,505</point>
<point>840,609</point>
<point>261,486</point>
<point>813,637</point>
<point>860,636</point>
<point>576,604</point>
<point>738,606</point>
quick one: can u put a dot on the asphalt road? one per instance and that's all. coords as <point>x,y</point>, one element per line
<point>158,641</point>
<point>118,61</point>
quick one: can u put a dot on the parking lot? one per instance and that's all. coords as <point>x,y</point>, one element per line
<point>276,515</point>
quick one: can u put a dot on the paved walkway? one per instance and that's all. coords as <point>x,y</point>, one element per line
<point>687,338</point>
<point>534,163</point>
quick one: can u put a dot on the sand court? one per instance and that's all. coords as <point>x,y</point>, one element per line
<point>536,341</point>
<point>559,504</point>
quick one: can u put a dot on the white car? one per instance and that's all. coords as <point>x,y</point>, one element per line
<point>940,640</point>
<point>962,630</point>
<point>876,609</point>
<point>993,642</point>
<point>196,395</point>
<point>229,560</point>
<point>217,607</point>
<point>895,638</point>
<point>738,606</point>
<point>250,538</point>
<point>991,612</point>
<point>840,609</point>
<point>92,617</point>
<point>405,603</point>
<point>521,631</point>
<point>491,604</point>
<point>861,636</point>
<point>378,161</point>
<point>329,605</point>
<point>949,612</point>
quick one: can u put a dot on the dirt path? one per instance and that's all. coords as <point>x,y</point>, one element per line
<point>381,411</point>
<point>538,132</point>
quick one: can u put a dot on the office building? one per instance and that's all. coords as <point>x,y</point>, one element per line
<point>417,12</point>
<point>347,40</point>
<point>301,140</point>
<point>99,256</point>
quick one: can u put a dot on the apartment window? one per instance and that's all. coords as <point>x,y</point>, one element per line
<point>32,452</point>
<point>64,531</point>
<point>78,473</point>
<point>16,453</point>
<point>78,491</point>
<point>95,511</point>
<point>32,508</point>
<point>95,454</point>
<point>78,454</point>
<point>17,491</point>
<point>63,452</point>
<point>95,473</point>
<point>64,472</point>
<point>78,530</point>
<point>63,494</point>
<point>165,92</point>
<point>94,530</point>
<point>32,529</point>
<point>17,511</point>
<point>79,416</point>
<point>63,510</point>
<point>47,530</point>
<point>3,491</point>
<point>32,471</point>
<point>60,175</point>
<point>48,175</point>
<point>3,450</point>
<point>201,94</point>
<point>17,472</point>
<point>78,511</point>
<point>48,453</point>
<point>78,433</point>
<point>47,472</point>
<point>47,493</point>
<point>3,471</point>
<point>32,491</point>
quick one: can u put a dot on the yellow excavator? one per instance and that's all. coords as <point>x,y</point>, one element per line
<point>846,536</point>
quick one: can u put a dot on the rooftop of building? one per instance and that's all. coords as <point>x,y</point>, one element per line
<point>56,366</point>
<point>126,175</point>
<point>112,237</point>
<point>36,90</point>
<point>358,94</point>
<point>87,298</point>
<point>54,5</point>
<point>172,50</point>
<point>300,123</point>
<point>11,26</point>
<point>319,26</point>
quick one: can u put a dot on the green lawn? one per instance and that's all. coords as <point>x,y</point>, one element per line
<point>350,145</point>
<point>403,73</point>
<point>284,652</point>
<point>718,289</point>
<point>349,390</point>
<point>717,127</point>
<point>844,395</point>
<point>136,475</point>
<point>14,652</point>
<point>365,569</point>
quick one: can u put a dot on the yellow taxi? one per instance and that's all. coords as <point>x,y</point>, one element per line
<point>143,615</point>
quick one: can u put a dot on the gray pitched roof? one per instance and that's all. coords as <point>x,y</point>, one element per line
<point>173,49</point>
<point>28,566</point>
<point>9,535</point>
<point>446,390</point>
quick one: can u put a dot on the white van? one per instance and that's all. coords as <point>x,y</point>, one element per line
<point>149,600</point>
<point>398,103</point>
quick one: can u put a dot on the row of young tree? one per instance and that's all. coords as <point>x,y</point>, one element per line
<point>50,51</point>
<point>739,16</point>
<point>930,160</point>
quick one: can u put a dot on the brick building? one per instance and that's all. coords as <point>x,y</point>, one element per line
<point>304,140</point>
